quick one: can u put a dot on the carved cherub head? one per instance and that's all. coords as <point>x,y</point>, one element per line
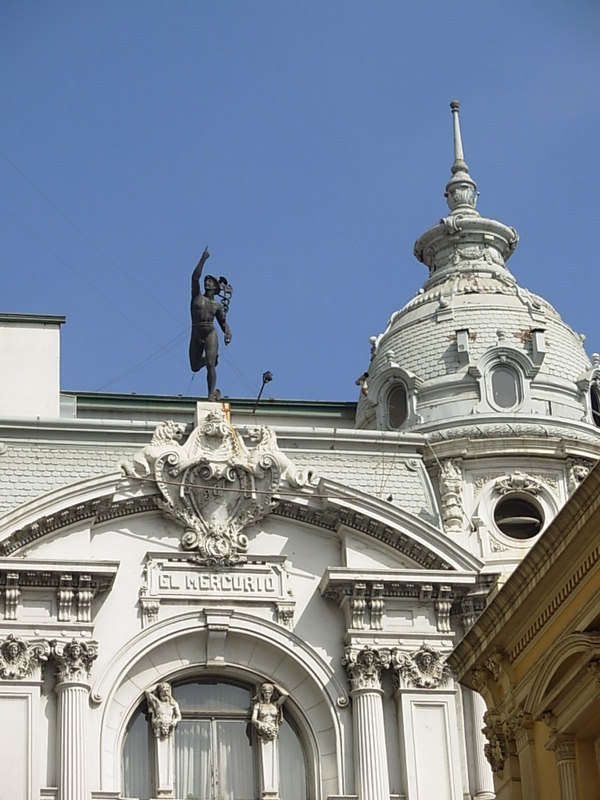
<point>12,651</point>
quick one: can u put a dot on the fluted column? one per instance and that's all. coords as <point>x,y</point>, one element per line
<point>481,777</point>
<point>563,746</point>
<point>73,662</point>
<point>370,755</point>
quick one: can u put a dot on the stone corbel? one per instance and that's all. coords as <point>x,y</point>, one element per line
<point>64,596</point>
<point>496,750</point>
<point>443,607</point>
<point>12,594</point>
<point>377,606</point>
<point>499,665</point>
<point>150,607</point>
<point>285,614</point>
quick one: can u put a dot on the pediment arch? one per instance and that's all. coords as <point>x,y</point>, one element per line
<point>329,505</point>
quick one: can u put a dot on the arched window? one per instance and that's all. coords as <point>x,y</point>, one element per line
<point>595,405</point>
<point>397,406</point>
<point>506,387</point>
<point>215,748</point>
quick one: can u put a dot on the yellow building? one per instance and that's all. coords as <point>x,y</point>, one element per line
<point>534,656</point>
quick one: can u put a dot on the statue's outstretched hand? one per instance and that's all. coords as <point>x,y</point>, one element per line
<point>227,338</point>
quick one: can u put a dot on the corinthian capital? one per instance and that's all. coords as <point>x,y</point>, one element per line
<point>364,666</point>
<point>73,660</point>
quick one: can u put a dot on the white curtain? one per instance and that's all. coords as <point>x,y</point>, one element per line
<point>292,765</point>
<point>136,760</point>
<point>235,761</point>
<point>193,766</point>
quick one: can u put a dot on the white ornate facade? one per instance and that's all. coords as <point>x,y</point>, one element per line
<point>202,602</point>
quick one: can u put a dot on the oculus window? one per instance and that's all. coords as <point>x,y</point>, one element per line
<point>518,517</point>
<point>215,748</point>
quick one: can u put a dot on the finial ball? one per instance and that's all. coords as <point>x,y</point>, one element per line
<point>454,105</point>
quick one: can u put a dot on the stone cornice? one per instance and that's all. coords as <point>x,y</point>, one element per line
<point>46,573</point>
<point>338,581</point>
<point>135,433</point>
<point>98,509</point>
<point>537,432</point>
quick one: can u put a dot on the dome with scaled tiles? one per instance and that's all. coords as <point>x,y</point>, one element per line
<point>473,347</point>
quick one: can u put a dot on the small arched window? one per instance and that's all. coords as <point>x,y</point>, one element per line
<point>595,405</point>
<point>397,406</point>
<point>506,387</point>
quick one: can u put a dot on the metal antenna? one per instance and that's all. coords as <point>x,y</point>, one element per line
<point>266,378</point>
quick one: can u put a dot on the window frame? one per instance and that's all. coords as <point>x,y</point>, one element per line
<point>212,716</point>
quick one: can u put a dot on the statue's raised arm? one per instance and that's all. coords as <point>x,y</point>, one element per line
<point>196,274</point>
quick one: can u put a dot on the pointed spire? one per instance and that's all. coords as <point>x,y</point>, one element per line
<point>461,190</point>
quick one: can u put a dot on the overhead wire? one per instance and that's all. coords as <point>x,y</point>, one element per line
<point>121,271</point>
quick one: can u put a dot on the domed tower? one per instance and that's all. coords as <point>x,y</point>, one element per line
<point>501,387</point>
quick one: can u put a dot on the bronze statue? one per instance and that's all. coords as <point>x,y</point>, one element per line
<point>204,344</point>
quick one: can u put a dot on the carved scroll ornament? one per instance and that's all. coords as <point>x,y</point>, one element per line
<point>424,669</point>
<point>215,485</point>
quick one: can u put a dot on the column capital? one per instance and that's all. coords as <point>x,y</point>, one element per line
<point>364,667</point>
<point>563,746</point>
<point>73,660</point>
<point>20,658</point>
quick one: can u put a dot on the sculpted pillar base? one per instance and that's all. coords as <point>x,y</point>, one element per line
<point>269,769</point>
<point>165,767</point>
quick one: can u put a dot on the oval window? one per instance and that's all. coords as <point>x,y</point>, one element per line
<point>505,387</point>
<point>518,517</point>
<point>397,406</point>
<point>595,404</point>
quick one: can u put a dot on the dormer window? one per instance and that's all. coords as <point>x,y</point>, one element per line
<point>506,387</point>
<point>397,406</point>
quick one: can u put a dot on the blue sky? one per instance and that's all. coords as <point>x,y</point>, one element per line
<point>308,145</point>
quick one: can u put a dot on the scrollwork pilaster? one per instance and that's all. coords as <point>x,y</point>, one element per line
<point>423,669</point>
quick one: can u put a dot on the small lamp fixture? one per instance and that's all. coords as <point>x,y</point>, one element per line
<point>266,378</point>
